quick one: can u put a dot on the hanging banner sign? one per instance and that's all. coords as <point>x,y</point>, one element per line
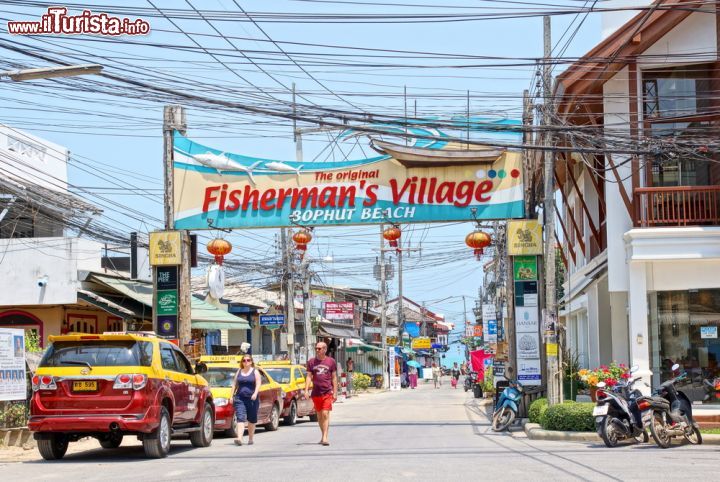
<point>525,268</point>
<point>411,186</point>
<point>342,310</point>
<point>165,248</point>
<point>524,237</point>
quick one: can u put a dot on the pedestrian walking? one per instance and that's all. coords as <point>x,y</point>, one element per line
<point>245,398</point>
<point>454,375</point>
<point>322,373</point>
<point>350,368</point>
<point>413,376</point>
<point>436,375</point>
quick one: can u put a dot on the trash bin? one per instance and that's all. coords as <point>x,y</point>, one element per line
<point>477,391</point>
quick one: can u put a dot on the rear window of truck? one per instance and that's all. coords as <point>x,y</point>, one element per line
<point>98,353</point>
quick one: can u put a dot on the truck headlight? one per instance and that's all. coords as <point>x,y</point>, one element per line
<point>221,402</point>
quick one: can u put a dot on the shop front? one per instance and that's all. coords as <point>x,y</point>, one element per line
<point>683,329</point>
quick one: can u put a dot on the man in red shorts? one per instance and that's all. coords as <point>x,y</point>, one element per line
<point>322,371</point>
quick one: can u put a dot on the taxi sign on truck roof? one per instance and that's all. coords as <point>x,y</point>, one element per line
<point>221,358</point>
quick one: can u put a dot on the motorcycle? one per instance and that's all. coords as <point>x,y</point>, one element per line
<point>618,413</point>
<point>712,389</point>
<point>470,380</point>
<point>671,414</point>
<point>507,406</point>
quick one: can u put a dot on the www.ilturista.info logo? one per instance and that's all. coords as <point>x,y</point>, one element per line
<point>57,21</point>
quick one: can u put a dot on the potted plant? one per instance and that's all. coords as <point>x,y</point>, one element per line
<point>571,375</point>
<point>610,374</point>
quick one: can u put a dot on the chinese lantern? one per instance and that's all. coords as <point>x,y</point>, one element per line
<point>219,248</point>
<point>477,240</point>
<point>302,238</point>
<point>392,234</point>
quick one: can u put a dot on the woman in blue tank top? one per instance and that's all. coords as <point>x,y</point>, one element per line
<point>245,398</point>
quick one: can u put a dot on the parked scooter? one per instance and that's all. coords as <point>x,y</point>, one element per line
<point>470,381</point>
<point>672,414</point>
<point>712,389</point>
<point>618,413</point>
<point>507,406</point>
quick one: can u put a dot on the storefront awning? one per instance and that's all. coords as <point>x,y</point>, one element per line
<point>104,304</point>
<point>208,317</point>
<point>334,330</point>
<point>202,311</point>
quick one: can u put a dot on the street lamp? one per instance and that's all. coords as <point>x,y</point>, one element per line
<point>52,72</point>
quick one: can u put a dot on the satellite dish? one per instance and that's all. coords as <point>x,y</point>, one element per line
<point>216,281</point>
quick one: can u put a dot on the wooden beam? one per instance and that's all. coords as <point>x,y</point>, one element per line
<point>571,251</point>
<point>634,120</point>
<point>621,187</point>
<point>572,217</point>
<point>569,170</point>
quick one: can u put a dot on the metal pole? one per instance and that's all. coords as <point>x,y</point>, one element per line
<point>406,119</point>
<point>468,120</point>
<point>401,313</point>
<point>554,394</point>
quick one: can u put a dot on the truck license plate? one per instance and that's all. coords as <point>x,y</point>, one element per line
<point>84,386</point>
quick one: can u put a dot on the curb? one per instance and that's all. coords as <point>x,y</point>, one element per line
<point>16,437</point>
<point>534,432</point>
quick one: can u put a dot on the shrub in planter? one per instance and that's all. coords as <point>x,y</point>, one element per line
<point>569,416</point>
<point>537,409</point>
<point>360,381</point>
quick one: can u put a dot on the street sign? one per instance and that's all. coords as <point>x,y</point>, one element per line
<point>272,322</point>
<point>166,301</point>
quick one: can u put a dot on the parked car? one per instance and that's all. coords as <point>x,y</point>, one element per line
<point>221,370</point>
<point>111,385</point>
<point>292,381</point>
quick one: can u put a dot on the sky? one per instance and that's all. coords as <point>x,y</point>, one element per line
<point>115,135</point>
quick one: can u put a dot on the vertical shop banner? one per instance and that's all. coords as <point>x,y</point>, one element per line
<point>166,301</point>
<point>529,372</point>
<point>12,364</point>
<point>488,313</point>
<point>524,237</point>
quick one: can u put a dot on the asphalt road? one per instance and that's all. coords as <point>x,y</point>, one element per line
<point>428,434</point>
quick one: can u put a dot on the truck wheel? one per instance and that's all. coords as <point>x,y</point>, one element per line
<point>274,422</point>
<point>291,419</point>
<point>204,436</point>
<point>54,447</point>
<point>157,444</point>
<point>111,441</point>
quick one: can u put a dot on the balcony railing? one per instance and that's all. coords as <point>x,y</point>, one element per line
<point>676,206</point>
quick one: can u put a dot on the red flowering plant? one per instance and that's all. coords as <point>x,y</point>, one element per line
<point>610,374</point>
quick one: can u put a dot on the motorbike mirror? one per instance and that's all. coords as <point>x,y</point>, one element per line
<point>675,367</point>
<point>634,368</point>
<point>601,385</point>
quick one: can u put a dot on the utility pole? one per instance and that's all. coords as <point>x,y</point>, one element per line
<point>383,309</point>
<point>553,381</point>
<point>174,120</point>
<point>289,291</point>
<point>307,307</point>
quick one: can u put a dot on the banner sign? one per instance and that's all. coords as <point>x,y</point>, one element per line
<point>344,310</point>
<point>165,248</point>
<point>166,301</point>
<point>525,268</point>
<point>12,364</point>
<point>524,237</point>
<point>421,343</point>
<point>237,191</point>
<point>529,372</point>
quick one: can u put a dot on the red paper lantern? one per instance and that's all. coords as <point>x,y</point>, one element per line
<point>219,248</point>
<point>478,240</point>
<point>392,234</point>
<point>302,238</point>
